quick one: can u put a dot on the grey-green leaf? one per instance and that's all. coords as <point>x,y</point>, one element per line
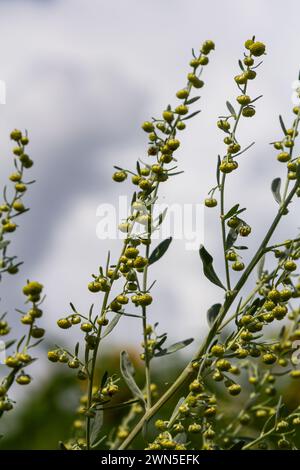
<point>175,347</point>
<point>282,125</point>
<point>231,212</point>
<point>218,170</point>
<point>260,267</point>
<point>96,428</point>
<point>9,343</point>
<point>230,108</point>
<point>191,115</point>
<point>127,371</point>
<point>112,324</point>
<point>160,250</point>
<point>208,269</point>
<point>231,238</point>
<point>175,411</point>
<point>212,313</point>
<point>275,188</point>
<point>193,100</point>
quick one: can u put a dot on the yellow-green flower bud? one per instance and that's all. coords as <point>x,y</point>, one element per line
<point>32,288</point>
<point>182,94</point>
<point>148,126</point>
<point>18,206</point>
<point>234,389</point>
<point>207,46</point>
<point>217,350</point>
<point>64,323</point>
<point>181,109</point>
<point>20,187</point>
<point>248,111</point>
<point>290,266</point>
<point>195,81</point>
<point>119,176</point>
<point>194,428</point>
<point>243,100</point>
<point>238,266</point>
<point>269,358</point>
<point>53,356</point>
<point>16,135</point>
<point>211,202</point>
<point>257,48</point>
<point>168,116</point>
<point>245,230</point>
<point>283,157</point>
<point>196,386</point>
<point>86,327</point>
<point>23,379</point>
<point>15,177</point>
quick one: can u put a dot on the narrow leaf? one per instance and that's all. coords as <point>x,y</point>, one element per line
<point>73,308</point>
<point>212,313</point>
<point>245,149</point>
<point>160,250</point>
<point>91,312</point>
<point>10,343</point>
<point>282,125</point>
<point>161,216</point>
<point>260,267</point>
<point>230,108</point>
<point>191,115</point>
<point>231,212</point>
<point>175,411</point>
<point>209,272</point>
<point>127,371</point>
<point>231,238</point>
<point>96,428</point>
<point>218,170</point>
<point>20,342</point>
<point>112,324</point>
<point>275,188</point>
<point>104,379</point>
<point>193,100</point>
<point>175,347</point>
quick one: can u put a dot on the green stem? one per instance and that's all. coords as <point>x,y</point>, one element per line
<point>222,189</point>
<point>145,337</point>
<point>260,438</point>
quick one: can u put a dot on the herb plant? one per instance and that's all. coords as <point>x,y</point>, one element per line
<point>230,387</point>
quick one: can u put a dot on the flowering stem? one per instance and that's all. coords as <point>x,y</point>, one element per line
<point>91,374</point>
<point>215,327</point>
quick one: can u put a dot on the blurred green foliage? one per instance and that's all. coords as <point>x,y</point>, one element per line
<point>46,417</point>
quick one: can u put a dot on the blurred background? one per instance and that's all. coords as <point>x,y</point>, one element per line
<point>81,77</point>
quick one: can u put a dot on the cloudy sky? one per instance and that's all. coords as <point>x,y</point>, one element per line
<point>81,76</point>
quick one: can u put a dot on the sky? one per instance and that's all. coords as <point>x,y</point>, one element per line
<point>81,77</point>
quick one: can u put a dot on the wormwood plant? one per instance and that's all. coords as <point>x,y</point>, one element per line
<point>12,207</point>
<point>240,345</point>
